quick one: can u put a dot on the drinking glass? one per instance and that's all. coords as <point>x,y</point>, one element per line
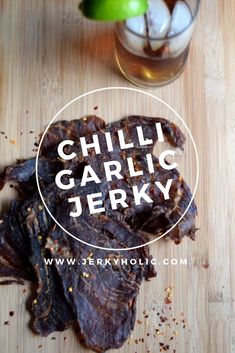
<point>150,59</point>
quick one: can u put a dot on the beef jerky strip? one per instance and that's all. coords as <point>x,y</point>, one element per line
<point>51,312</point>
<point>103,297</point>
<point>172,133</point>
<point>14,249</point>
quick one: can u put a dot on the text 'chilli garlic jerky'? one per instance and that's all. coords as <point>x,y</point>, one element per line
<point>98,300</point>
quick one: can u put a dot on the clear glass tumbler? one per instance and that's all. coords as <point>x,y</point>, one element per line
<point>152,50</point>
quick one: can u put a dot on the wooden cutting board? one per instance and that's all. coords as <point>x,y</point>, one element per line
<point>48,56</point>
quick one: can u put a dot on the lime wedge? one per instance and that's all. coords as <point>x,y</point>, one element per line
<point>113,10</point>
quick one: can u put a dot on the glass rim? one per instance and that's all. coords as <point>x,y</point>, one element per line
<point>194,16</point>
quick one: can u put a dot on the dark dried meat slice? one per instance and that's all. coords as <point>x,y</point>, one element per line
<point>14,248</point>
<point>103,297</point>
<point>51,311</point>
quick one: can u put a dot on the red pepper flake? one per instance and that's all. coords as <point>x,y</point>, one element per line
<point>167,301</point>
<point>11,313</point>
<point>7,323</point>
<point>31,132</point>
<point>96,107</point>
<point>6,137</point>
<point>136,341</point>
<point>139,322</point>
<point>53,338</point>
<point>163,318</point>
<point>3,133</point>
<point>148,334</point>
<point>161,344</point>
<point>206,265</point>
<point>40,346</point>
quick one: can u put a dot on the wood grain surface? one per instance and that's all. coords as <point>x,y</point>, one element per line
<point>48,56</point>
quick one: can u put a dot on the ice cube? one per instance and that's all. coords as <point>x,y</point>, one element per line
<point>158,19</point>
<point>136,25</point>
<point>181,19</point>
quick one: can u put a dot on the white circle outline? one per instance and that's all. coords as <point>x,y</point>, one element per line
<point>109,89</point>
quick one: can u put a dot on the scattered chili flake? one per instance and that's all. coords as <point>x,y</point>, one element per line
<point>139,322</point>
<point>206,265</point>
<point>7,323</point>
<point>163,318</point>
<point>167,300</point>
<point>85,275</point>
<point>53,338</point>
<point>3,133</point>
<point>136,341</point>
<point>40,346</point>
<point>11,313</point>
<point>96,107</point>
<point>6,137</point>
<point>31,132</point>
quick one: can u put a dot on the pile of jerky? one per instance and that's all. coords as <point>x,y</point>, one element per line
<point>98,301</point>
